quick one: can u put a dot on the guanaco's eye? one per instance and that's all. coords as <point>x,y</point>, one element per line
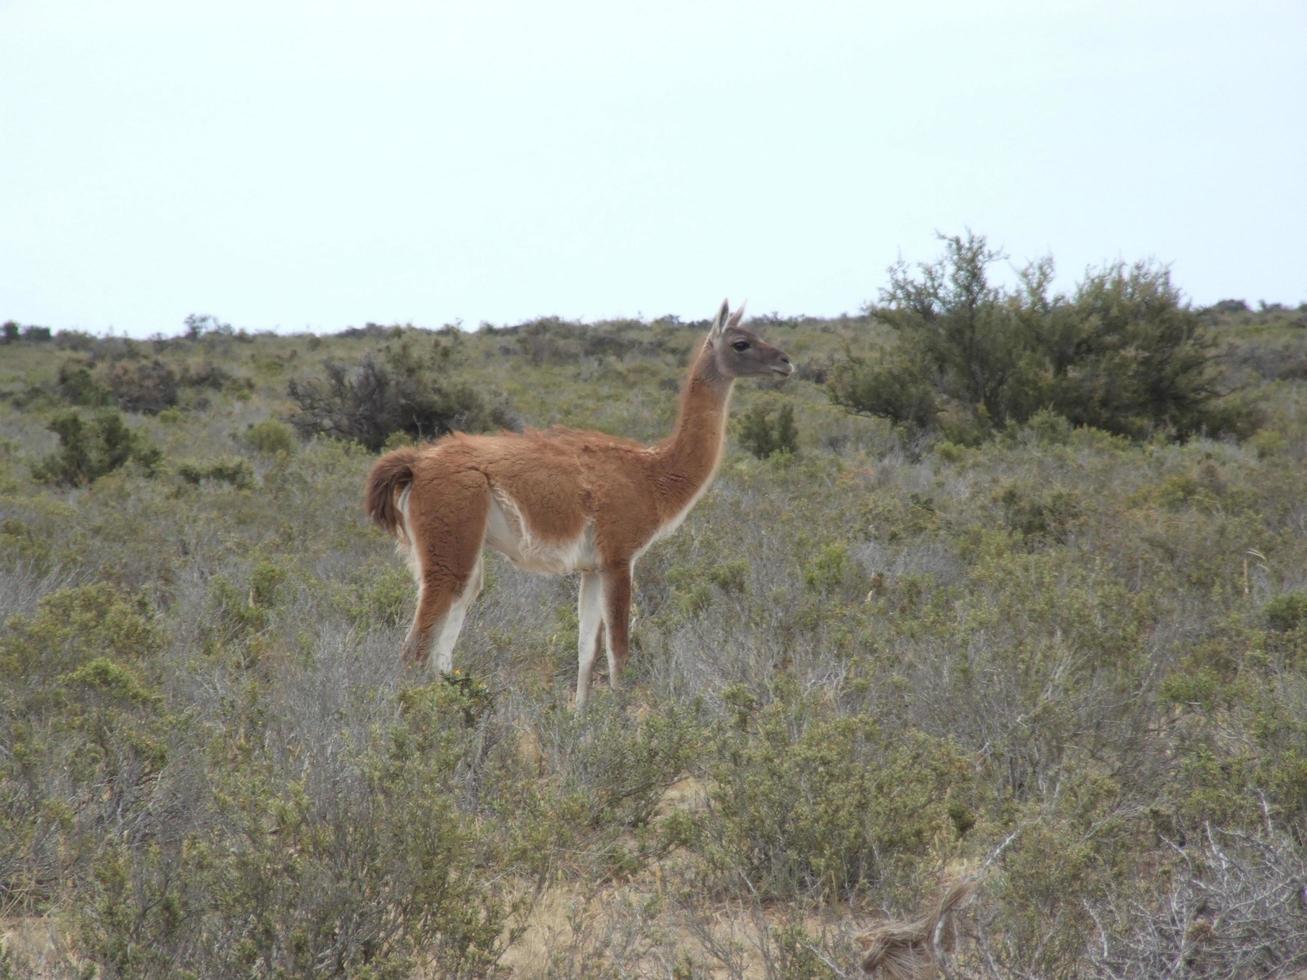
<point>741,345</point>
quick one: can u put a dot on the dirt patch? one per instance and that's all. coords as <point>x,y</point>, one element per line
<point>38,946</point>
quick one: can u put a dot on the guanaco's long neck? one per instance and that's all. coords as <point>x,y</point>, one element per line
<point>686,460</point>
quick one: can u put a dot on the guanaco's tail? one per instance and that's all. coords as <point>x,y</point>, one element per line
<point>390,475</point>
<point>908,950</point>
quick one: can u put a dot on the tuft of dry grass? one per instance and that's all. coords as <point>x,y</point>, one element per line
<point>913,949</point>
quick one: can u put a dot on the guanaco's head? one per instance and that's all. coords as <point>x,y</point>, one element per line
<point>739,352</point>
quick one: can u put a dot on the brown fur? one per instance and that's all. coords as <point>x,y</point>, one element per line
<point>390,475</point>
<point>607,496</point>
<point>910,950</point>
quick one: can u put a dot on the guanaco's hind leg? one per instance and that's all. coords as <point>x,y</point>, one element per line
<point>589,614</point>
<point>446,520</point>
<point>453,623</point>
<point>617,618</point>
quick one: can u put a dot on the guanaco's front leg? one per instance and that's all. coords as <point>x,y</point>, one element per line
<point>590,620</point>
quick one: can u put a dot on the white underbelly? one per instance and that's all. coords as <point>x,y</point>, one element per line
<point>507,532</point>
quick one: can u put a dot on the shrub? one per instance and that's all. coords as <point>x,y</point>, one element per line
<point>84,731</point>
<point>1048,427</point>
<point>236,472</point>
<point>893,389</point>
<point>78,340</point>
<point>957,325</point>
<point>72,626</point>
<point>376,593</point>
<point>764,435</point>
<point>1286,612</point>
<point>365,874</point>
<point>143,386</point>
<point>619,770</point>
<point>1053,871</point>
<point>1125,353</point>
<point>551,340</point>
<point>1141,360</point>
<point>76,385</point>
<point>400,393</point>
<point>855,670</point>
<point>269,437</point>
<point>90,449</point>
<point>831,570</point>
<point>1038,516</point>
<point>1229,905</point>
<point>1229,306</point>
<point>809,801</point>
<point>201,324</point>
<point>214,377</point>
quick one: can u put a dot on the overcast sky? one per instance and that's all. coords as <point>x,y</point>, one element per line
<point>293,165</point>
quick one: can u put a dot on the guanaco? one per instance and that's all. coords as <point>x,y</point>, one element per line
<point>559,501</point>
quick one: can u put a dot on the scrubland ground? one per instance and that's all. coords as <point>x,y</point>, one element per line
<point>1072,664</point>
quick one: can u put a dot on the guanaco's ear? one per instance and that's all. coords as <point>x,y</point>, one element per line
<point>719,324</point>
<point>734,319</point>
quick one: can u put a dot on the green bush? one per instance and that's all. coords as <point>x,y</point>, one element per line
<point>77,386</point>
<point>1286,612</point>
<point>236,472</point>
<point>1125,353</point>
<point>814,803</point>
<point>85,731</point>
<point>762,434</point>
<point>1038,516</point>
<point>90,449</point>
<point>1051,874</point>
<point>968,340</point>
<point>214,377</point>
<point>893,388</point>
<point>832,570</point>
<point>620,770</point>
<point>371,874</point>
<point>1141,360</point>
<point>269,437</point>
<point>71,627</point>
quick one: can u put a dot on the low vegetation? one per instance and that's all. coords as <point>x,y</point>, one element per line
<point>956,605</point>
